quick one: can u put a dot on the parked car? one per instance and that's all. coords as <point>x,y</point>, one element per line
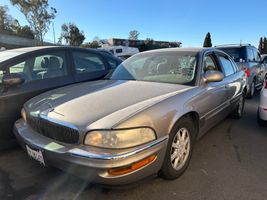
<point>248,58</point>
<point>142,121</point>
<point>27,72</point>
<point>262,111</point>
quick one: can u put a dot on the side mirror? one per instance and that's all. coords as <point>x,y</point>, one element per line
<point>12,79</point>
<point>213,76</point>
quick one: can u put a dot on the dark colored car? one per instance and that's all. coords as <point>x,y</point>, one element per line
<point>249,59</point>
<point>27,72</point>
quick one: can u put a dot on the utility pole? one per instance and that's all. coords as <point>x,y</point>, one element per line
<point>54,32</point>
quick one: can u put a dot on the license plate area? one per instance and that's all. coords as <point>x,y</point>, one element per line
<point>35,154</point>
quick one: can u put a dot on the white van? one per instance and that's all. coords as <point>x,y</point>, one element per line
<point>121,52</point>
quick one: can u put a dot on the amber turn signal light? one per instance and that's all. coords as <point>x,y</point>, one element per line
<point>131,168</point>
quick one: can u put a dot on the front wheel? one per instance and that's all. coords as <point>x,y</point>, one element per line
<point>252,90</point>
<point>239,111</point>
<point>179,149</point>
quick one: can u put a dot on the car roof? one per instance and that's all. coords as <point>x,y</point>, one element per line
<point>233,46</point>
<point>184,49</point>
<point>7,55</point>
<point>30,49</point>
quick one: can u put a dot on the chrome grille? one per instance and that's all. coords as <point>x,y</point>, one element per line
<point>53,130</point>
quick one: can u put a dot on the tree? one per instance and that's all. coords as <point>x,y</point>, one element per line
<point>71,34</point>
<point>7,22</point>
<point>133,35</point>
<point>264,46</point>
<point>207,41</point>
<point>94,44</point>
<point>10,25</point>
<point>38,14</point>
<point>260,47</point>
<point>25,31</point>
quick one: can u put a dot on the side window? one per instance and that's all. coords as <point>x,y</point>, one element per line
<point>227,65</point>
<point>257,56</point>
<point>87,62</point>
<point>236,68</point>
<point>17,68</point>
<point>118,50</point>
<point>50,65</point>
<point>209,63</point>
<point>250,53</point>
<point>113,64</point>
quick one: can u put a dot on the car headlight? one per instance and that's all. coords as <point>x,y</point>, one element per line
<point>117,139</point>
<point>23,114</point>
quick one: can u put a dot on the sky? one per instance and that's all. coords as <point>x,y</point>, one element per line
<point>187,21</point>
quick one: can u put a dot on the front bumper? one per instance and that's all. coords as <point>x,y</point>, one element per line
<point>92,163</point>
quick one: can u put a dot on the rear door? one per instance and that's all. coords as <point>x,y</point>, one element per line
<point>254,66</point>
<point>40,75</point>
<point>233,78</point>
<point>260,67</point>
<point>88,66</point>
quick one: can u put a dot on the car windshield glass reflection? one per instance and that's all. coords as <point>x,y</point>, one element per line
<point>178,68</point>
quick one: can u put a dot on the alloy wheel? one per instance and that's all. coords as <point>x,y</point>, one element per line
<point>180,148</point>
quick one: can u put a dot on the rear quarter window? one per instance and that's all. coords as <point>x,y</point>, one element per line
<point>235,53</point>
<point>226,63</point>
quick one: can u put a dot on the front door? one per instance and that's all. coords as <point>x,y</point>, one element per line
<point>42,72</point>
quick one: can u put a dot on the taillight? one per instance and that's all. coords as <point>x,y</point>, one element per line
<point>265,84</point>
<point>248,72</point>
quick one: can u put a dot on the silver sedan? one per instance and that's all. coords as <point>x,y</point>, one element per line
<point>143,119</point>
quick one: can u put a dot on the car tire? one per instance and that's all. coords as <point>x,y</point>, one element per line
<point>252,90</point>
<point>177,157</point>
<point>239,110</point>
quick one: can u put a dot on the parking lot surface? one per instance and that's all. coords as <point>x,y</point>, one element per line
<point>229,162</point>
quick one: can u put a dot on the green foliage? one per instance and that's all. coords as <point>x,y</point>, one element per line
<point>25,31</point>
<point>11,26</point>
<point>7,22</point>
<point>71,34</point>
<point>94,44</point>
<point>38,14</point>
<point>260,47</point>
<point>263,45</point>
<point>150,44</point>
<point>134,35</point>
<point>207,41</point>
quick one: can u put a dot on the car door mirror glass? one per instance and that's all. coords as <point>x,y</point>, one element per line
<point>213,76</point>
<point>12,79</point>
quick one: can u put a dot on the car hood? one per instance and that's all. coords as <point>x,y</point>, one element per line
<point>100,104</point>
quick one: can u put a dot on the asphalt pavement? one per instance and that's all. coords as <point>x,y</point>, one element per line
<point>229,162</point>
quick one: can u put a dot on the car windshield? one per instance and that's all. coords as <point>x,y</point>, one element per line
<point>165,67</point>
<point>236,53</point>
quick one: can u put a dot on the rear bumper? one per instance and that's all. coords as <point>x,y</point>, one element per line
<point>92,163</point>
<point>263,105</point>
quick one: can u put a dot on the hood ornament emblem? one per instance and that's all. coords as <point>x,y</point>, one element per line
<point>51,107</point>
